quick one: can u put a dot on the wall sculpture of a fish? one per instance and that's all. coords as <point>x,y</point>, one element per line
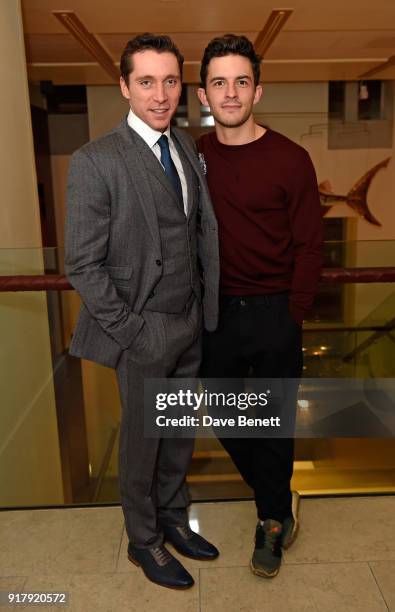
<point>356,198</point>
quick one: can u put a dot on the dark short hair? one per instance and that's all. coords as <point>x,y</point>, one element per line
<point>143,42</point>
<point>230,44</point>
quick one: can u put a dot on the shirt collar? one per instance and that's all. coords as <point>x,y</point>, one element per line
<point>147,133</point>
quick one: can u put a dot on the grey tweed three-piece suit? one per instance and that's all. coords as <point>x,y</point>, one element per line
<point>136,259</point>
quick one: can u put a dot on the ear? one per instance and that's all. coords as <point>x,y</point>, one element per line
<point>201,94</point>
<point>258,94</point>
<point>124,88</point>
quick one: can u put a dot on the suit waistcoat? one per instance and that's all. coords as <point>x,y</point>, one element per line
<point>178,244</point>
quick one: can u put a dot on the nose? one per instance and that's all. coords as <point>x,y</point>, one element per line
<point>160,94</point>
<point>231,91</point>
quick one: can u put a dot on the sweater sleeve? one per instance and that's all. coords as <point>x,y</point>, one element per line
<point>307,236</point>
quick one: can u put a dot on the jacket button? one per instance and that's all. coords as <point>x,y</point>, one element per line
<point>158,262</point>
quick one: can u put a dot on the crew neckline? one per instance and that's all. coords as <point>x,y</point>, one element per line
<point>266,137</point>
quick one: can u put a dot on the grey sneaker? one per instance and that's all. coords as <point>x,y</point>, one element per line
<point>266,559</point>
<point>290,525</point>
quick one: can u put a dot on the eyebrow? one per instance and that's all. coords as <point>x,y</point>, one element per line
<point>149,76</point>
<point>222,78</point>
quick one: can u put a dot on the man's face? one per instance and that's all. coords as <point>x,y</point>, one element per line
<point>154,87</point>
<point>230,91</point>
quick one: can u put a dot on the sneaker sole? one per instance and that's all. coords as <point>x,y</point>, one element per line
<point>263,573</point>
<point>293,536</point>
<point>174,588</point>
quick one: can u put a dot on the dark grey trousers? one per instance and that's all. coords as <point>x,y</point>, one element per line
<point>152,471</point>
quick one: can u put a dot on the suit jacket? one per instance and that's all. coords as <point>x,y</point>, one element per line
<point>113,240</point>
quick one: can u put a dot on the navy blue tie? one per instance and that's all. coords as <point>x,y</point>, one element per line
<point>169,166</point>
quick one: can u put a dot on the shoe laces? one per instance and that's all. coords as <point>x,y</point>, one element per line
<point>185,531</point>
<point>161,555</point>
<point>270,538</point>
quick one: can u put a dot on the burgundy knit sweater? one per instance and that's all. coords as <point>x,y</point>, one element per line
<point>266,200</point>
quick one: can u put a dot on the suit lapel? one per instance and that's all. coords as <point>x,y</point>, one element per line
<point>132,154</point>
<point>204,197</point>
<point>189,153</point>
<point>137,155</point>
<point>188,172</point>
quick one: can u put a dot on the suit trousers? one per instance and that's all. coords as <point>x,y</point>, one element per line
<point>152,471</point>
<point>257,337</point>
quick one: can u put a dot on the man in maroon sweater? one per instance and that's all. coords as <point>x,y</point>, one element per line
<point>266,199</point>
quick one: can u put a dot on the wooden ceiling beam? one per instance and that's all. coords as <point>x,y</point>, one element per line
<point>390,62</point>
<point>77,29</point>
<point>271,29</point>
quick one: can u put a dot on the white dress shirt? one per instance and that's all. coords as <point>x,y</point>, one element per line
<point>151,137</point>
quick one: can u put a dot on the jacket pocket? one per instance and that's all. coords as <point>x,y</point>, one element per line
<point>119,272</point>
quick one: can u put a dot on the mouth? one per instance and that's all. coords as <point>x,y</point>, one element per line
<point>160,111</point>
<point>231,106</point>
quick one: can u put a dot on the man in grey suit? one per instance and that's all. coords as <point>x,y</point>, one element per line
<point>139,217</point>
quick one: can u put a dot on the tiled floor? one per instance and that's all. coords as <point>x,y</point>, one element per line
<point>343,560</point>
